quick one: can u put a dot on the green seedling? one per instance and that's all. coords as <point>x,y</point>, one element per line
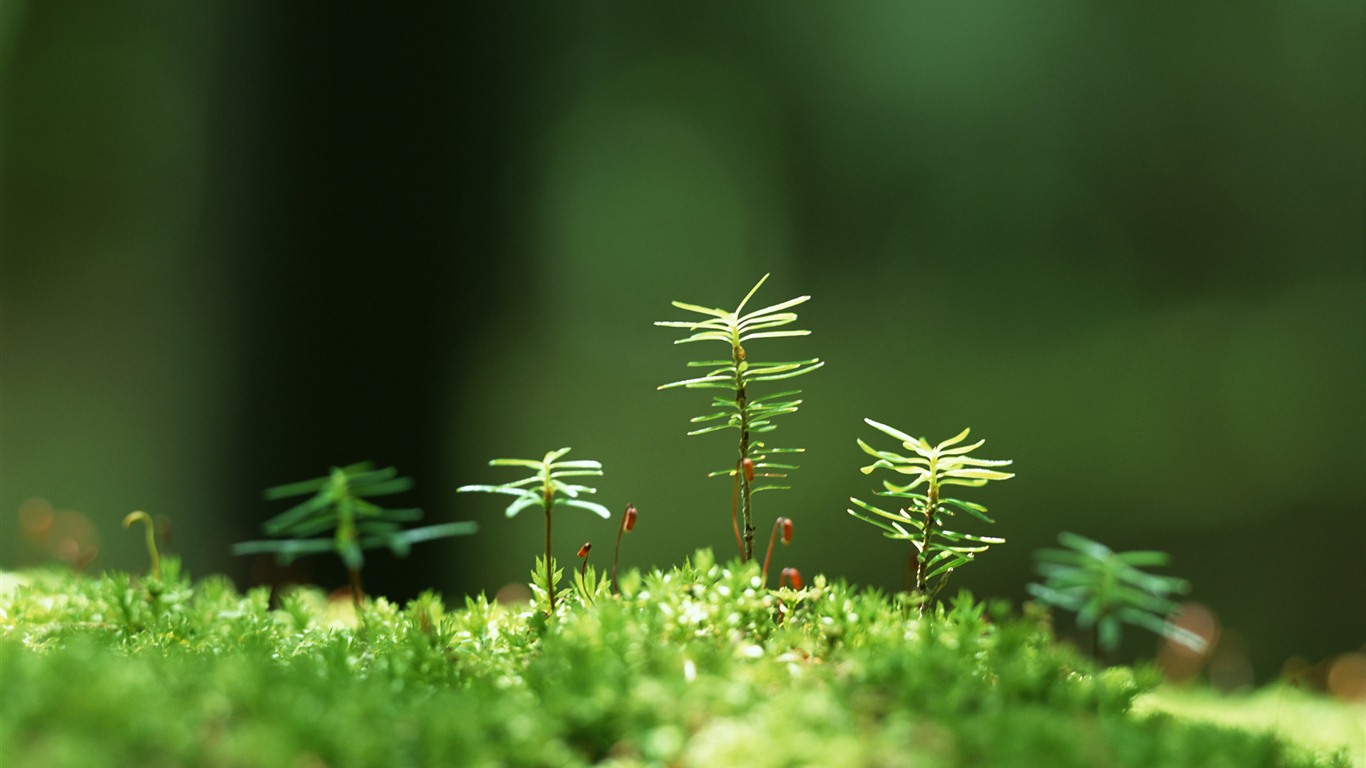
<point>337,503</point>
<point>939,549</point>
<point>1107,589</point>
<point>739,409</point>
<point>152,554</point>
<point>546,487</point>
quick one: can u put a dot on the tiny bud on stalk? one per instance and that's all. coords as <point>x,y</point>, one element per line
<point>791,576</point>
<point>583,551</point>
<point>782,529</point>
<point>748,465</point>
<point>628,521</point>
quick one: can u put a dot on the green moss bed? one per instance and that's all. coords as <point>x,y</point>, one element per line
<point>695,666</point>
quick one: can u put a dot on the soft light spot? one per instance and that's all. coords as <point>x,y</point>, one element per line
<point>1347,677</point>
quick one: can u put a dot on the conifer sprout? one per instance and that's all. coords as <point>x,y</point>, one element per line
<point>923,521</point>
<point>337,504</point>
<point>1107,589</point>
<point>739,408</point>
<point>546,487</point>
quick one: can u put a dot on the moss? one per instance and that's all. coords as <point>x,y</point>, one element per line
<point>697,666</point>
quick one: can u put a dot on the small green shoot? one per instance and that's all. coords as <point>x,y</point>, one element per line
<point>150,527</point>
<point>738,410</point>
<point>337,503</point>
<point>546,487</point>
<point>939,549</point>
<point>1107,589</point>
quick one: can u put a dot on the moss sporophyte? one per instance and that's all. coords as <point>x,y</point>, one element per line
<point>628,523</point>
<point>150,530</point>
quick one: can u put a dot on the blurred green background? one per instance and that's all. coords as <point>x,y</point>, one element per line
<point>244,242</point>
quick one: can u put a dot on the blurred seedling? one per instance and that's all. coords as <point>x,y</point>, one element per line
<point>1107,589</point>
<point>738,409</point>
<point>546,487</point>
<point>337,503</point>
<point>938,548</point>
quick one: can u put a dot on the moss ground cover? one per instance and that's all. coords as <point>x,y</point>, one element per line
<point>695,666</point>
<point>1316,722</point>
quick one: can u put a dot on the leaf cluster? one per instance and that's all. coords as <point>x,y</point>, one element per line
<point>1107,589</point>
<point>339,503</point>
<point>750,415</point>
<point>546,485</point>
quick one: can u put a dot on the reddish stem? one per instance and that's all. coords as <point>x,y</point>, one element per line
<point>735,517</point>
<point>783,525</point>
<point>583,555</point>
<point>628,521</point>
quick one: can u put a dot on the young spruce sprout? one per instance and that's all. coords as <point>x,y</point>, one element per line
<point>1106,589</point>
<point>546,487</point>
<point>152,553</point>
<point>939,549</point>
<point>337,504</point>
<point>628,521</point>
<point>739,409</point>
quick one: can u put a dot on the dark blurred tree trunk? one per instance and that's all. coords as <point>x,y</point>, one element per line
<point>354,184</point>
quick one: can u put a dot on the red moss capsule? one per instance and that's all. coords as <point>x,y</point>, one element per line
<point>791,576</point>
<point>748,466</point>
<point>583,551</point>
<point>787,530</point>
<point>629,521</point>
